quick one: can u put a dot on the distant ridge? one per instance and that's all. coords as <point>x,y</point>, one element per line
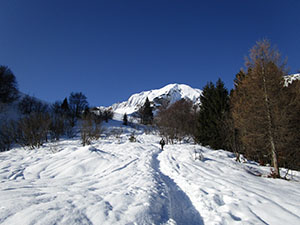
<point>165,95</point>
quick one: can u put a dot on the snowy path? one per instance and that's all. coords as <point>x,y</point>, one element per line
<point>179,207</point>
<point>225,193</point>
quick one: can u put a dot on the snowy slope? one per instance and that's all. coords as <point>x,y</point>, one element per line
<point>114,181</point>
<point>168,94</point>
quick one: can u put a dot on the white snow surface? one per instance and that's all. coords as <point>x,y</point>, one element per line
<point>170,93</point>
<point>290,78</point>
<point>114,181</point>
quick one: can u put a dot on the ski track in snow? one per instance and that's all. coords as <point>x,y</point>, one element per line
<point>180,209</point>
<point>225,193</point>
<point>114,181</point>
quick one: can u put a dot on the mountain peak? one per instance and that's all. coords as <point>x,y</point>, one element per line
<point>165,95</point>
<point>290,78</point>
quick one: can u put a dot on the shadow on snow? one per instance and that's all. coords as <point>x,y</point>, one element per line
<point>172,203</point>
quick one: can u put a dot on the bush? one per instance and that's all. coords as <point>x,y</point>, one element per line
<point>90,130</point>
<point>7,135</point>
<point>57,127</point>
<point>32,130</point>
<point>132,137</point>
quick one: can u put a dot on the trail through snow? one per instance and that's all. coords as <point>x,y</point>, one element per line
<point>114,181</point>
<point>179,207</point>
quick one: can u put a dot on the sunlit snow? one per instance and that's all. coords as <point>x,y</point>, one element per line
<point>114,181</point>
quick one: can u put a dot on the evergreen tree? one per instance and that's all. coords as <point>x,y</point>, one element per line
<point>290,154</point>
<point>8,85</point>
<point>258,106</point>
<point>145,113</point>
<point>125,119</point>
<point>213,109</point>
<point>65,106</point>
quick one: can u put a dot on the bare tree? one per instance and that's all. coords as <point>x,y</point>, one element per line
<point>90,129</point>
<point>177,122</point>
<point>77,104</point>
<point>30,104</point>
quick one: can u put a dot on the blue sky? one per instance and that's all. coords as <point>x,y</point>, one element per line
<point>111,49</point>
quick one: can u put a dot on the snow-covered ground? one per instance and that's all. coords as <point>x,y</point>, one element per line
<point>114,181</point>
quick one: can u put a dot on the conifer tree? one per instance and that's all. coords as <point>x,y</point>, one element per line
<point>213,108</point>
<point>8,85</point>
<point>146,113</point>
<point>125,119</point>
<point>257,105</point>
<point>65,106</point>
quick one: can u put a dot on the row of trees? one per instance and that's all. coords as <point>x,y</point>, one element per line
<point>39,121</point>
<point>260,117</point>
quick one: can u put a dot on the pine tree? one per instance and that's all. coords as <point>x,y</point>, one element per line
<point>65,106</point>
<point>213,108</point>
<point>125,119</point>
<point>258,107</point>
<point>146,113</point>
<point>8,85</point>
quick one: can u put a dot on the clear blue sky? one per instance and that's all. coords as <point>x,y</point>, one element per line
<point>111,49</point>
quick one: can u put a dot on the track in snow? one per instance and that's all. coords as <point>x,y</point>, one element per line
<point>178,208</point>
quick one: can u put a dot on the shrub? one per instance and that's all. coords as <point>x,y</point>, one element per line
<point>7,135</point>
<point>90,130</point>
<point>32,130</point>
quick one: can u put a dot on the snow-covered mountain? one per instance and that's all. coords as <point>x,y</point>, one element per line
<point>290,78</point>
<point>165,95</point>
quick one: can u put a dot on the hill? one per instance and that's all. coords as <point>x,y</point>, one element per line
<point>115,181</point>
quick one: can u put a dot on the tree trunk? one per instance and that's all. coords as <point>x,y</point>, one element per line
<point>270,125</point>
